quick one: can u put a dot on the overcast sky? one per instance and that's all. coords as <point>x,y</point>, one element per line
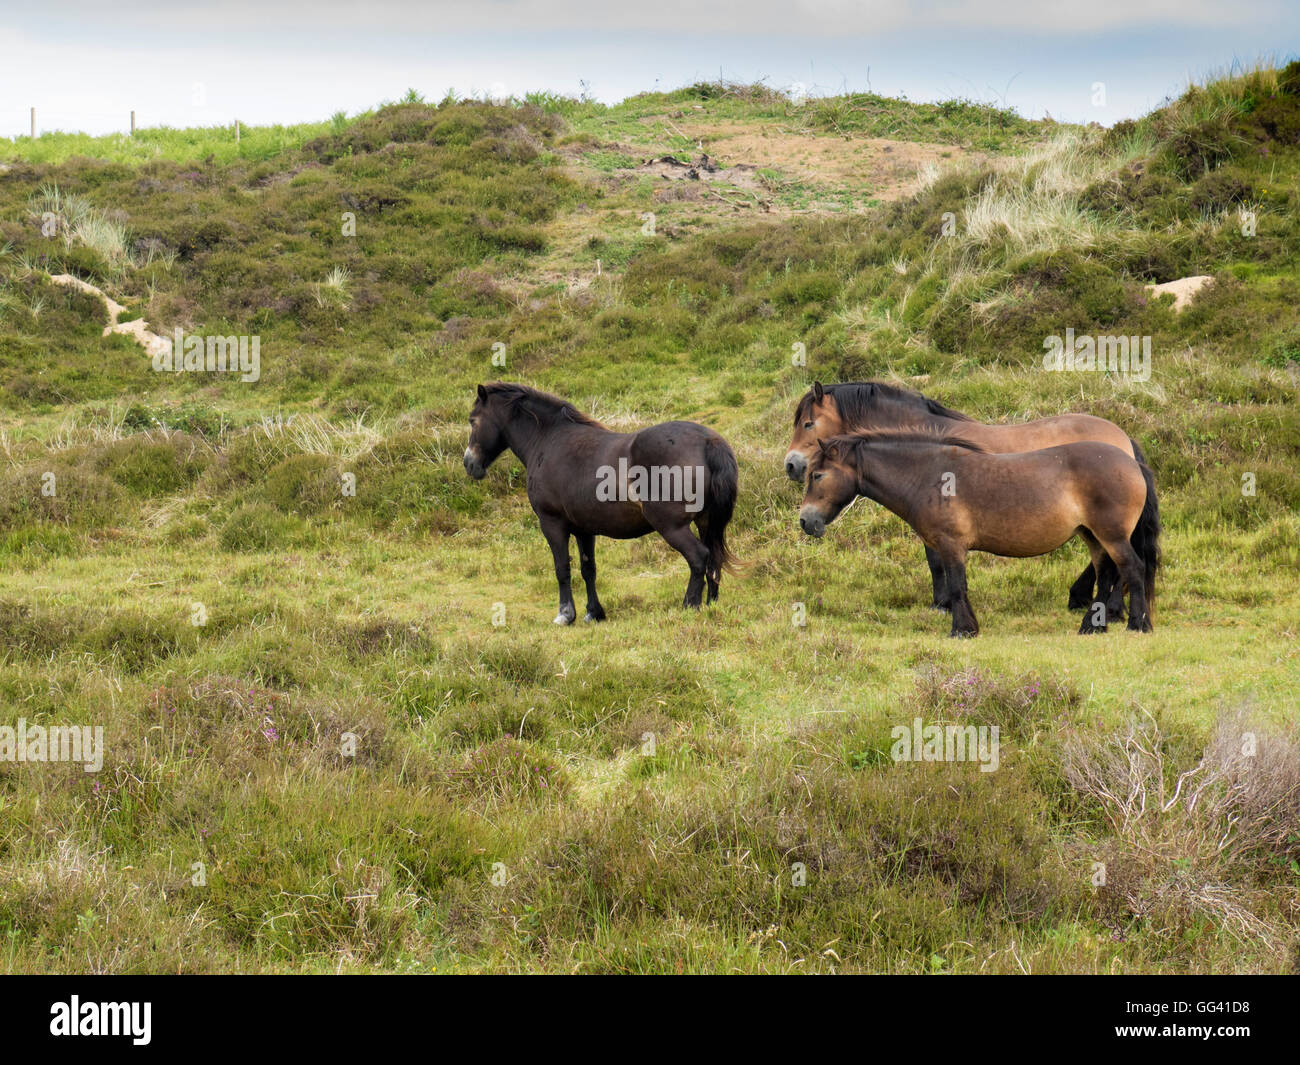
<point>85,64</point>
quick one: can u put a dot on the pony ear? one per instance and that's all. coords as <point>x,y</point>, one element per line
<point>482,394</point>
<point>818,391</point>
<point>822,444</point>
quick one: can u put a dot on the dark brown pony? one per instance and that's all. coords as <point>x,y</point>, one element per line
<point>584,482</point>
<point>829,411</point>
<point>958,498</point>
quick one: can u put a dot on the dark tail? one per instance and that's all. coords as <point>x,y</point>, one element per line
<point>1146,536</point>
<point>720,503</point>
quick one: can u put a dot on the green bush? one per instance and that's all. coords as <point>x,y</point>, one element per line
<point>304,484</point>
<point>153,467</point>
<point>59,494</point>
<point>255,527</point>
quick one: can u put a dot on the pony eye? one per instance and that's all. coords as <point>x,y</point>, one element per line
<point>807,425</point>
<point>818,476</point>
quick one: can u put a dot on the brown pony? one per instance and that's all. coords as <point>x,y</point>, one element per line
<point>586,481</point>
<point>829,411</point>
<point>958,497</point>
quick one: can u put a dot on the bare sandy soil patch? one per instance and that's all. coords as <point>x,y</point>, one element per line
<point>887,167</point>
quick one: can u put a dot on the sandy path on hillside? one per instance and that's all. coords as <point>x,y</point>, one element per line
<point>1184,289</point>
<point>138,329</point>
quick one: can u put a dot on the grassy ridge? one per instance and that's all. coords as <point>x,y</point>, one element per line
<point>948,122</point>
<point>503,809</point>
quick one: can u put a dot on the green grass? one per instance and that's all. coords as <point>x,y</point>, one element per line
<point>255,143</point>
<point>498,807</point>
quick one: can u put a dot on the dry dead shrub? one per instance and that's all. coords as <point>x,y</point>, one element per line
<point>1198,843</point>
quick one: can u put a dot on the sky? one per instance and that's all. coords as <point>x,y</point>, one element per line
<point>86,64</point>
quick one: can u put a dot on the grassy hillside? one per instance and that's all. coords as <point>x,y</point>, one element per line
<point>202,585</point>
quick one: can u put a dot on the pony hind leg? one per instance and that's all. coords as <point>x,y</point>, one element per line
<point>1096,616</point>
<point>1131,572</point>
<point>711,570</point>
<point>677,531</point>
<point>1115,596</point>
<point>1100,613</point>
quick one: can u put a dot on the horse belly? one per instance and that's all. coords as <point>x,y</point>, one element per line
<point>618,521</point>
<point>1033,532</point>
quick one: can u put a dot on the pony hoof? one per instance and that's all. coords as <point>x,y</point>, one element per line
<point>563,619</point>
<point>942,608</point>
<point>589,616</point>
<point>1092,630</point>
<point>963,634</point>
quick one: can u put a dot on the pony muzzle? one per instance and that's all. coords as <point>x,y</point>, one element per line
<point>796,465</point>
<point>474,465</point>
<point>811,521</point>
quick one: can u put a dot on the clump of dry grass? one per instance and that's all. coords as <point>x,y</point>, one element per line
<point>78,221</point>
<point>335,289</point>
<point>1032,200</point>
<point>309,433</point>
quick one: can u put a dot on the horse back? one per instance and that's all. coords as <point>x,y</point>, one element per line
<point>1047,432</point>
<point>670,443</point>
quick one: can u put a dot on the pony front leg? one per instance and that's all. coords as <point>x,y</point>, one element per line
<point>587,564</point>
<point>963,617</point>
<point>1099,615</point>
<point>557,535</point>
<point>1081,589</point>
<point>938,583</point>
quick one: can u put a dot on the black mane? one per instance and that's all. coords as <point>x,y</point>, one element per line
<point>866,437</point>
<point>855,400</point>
<point>539,403</point>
